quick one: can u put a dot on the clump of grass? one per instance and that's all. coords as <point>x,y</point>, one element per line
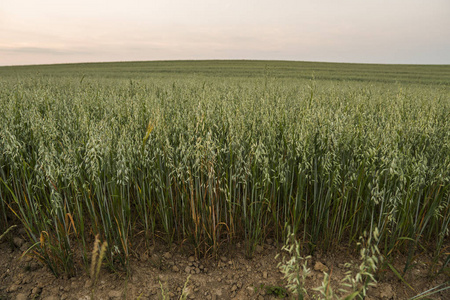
<point>371,258</point>
<point>295,269</point>
<point>184,292</point>
<point>222,160</point>
<point>357,285</point>
<point>277,291</point>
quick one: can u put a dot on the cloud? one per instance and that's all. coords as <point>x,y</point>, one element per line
<point>40,51</point>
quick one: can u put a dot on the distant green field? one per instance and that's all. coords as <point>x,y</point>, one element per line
<point>218,152</point>
<point>426,74</point>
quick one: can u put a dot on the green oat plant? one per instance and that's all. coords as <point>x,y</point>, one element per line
<point>357,285</point>
<point>354,286</point>
<point>234,151</point>
<point>295,269</point>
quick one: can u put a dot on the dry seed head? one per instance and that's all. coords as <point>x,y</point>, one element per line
<point>94,256</point>
<point>100,259</point>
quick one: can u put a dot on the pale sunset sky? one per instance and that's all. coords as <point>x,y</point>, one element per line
<point>366,31</point>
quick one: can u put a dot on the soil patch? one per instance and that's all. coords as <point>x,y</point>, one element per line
<point>163,273</point>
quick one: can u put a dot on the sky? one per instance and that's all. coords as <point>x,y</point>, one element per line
<point>359,31</point>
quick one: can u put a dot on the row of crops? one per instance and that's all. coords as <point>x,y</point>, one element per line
<point>213,161</point>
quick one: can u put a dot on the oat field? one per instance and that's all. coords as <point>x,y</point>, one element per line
<point>211,153</point>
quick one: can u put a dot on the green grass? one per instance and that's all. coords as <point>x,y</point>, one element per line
<point>238,150</point>
<point>248,69</point>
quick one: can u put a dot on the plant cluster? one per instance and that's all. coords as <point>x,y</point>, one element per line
<point>214,160</point>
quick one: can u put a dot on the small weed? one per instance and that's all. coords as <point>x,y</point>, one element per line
<point>278,291</point>
<point>184,292</point>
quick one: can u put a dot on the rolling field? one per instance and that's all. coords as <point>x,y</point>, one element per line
<point>217,152</point>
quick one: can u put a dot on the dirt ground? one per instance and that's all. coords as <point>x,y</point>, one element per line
<point>164,273</point>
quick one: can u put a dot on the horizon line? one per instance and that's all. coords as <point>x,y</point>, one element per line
<point>218,59</point>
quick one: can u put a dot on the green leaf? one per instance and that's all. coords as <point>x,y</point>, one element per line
<point>399,276</point>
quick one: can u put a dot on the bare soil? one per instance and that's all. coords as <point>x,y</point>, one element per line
<point>162,273</point>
